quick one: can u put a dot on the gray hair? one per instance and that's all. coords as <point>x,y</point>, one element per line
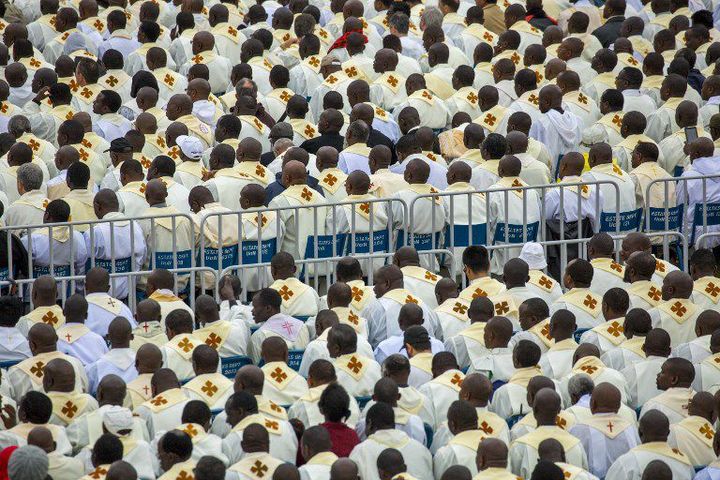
<point>28,463</point>
<point>358,130</point>
<point>281,145</point>
<point>18,125</point>
<point>240,86</point>
<point>30,176</point>
<point>432,16</point>
<point>401,22</point>
<point>579,385</point>
<point>281,130</point>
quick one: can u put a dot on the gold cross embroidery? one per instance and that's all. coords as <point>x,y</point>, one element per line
<point>615,329</point>
<point>590,302</point>
<point>35,63</point>
<point>707,431</point>
<point>354,364</point>
<point>502,308</point>
<point>285,96</point>
<point>157,401</point>
<point>460,308</point>
<point>34,145</point>
<point>632,61</point>
<point>309,131</point>
<point>545,331</point>
<point>712,289</point>
<point>74,86</point>
<point>410,299</point>
<point>306,195</point>
<point>278,375</point>
<point>183,475</point>
<point>86,92</point>
<point>286,293</point>
<point>616,266</point>
<point>659,266</point>
<point>169,80</point>
<point>213,340</point>
<point>533,99</point>
<point>84,155</point>
<point>160,141</point>
<point>259,469</point>
<point>654,293</point>
<point>358,293</point>
<point>69,116</point>
<point>331,80</point>
<point>198,58</point>
<point>616,170</point>
<point>545,282</point>
<point>430,276</point>
<point>678,309</point>
<point>232,31</point>
<point>3,107</point>
<point>589,369</point>
<point>392,81</point>
<point>488,36</point>
<point>560,422</point>
<point>582,99</point>
<point>209,389</point>
<point>99,472</point>
<point>427,95</point>
<point>538,76</point>
<point>515,58</point>
<point>354,319</point>
<point>69,410</point>
<point>314,62</point>
<point>472,98</point>
<point>365,207</point>
<point>258,124</point>
<point>272,425</point>
<point>190,430</point>
<point>479,292</point>
<point>37,369</point>
<point>456,380</point>
<point>490,119</point>
<point>186,345</point>
<point>50,319</point>
<point>142,187</point>
<point>617,120</point>
<point>112,81</point>
<point>330,179</point>
<point>351,72</point>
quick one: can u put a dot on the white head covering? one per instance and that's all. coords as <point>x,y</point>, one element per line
<point>534,256</point>
<point>116,419</point>
<point>191,146</point>
<point>28,463</point>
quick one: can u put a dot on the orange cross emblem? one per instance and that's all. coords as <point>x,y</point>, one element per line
<point>502,308</point>
<point>314,62</point>
<point>37,369</point>
<point>589,369</point>
<point>485,427</point>
<point>488,36</point>
<point>456,380</point>
<point>309,131</point>
<point>354,319</point>
<point>331,80</point>
<point>582,99</point>
<point>285,96</point>
<point>86,92</point>
<point>190,430</point>
<point>410,299</point>
<point>678,309</point>
<point>654,293</point>
<point>533,99</point>
<point>272,425</point>
<point>183,475</point>
<point>617,170</point>
<point>659,266</point>
<point>515,58</point>
<point>351,72</point>
<point>186,345</point>
<point>3,107</point>
<point>232,31</point>
<point>545,282</point>
<point>615,329</point>
<point>160,141</point>
<point>306,195</point>
<point>259,469</point>
<point>32,143</point>
<point>34,62</point>
<point>590,302</point>
<point>159,400</point>
<point>427,95</point>
<point>430,276</point>
<point>616,266</point>
<point>258,124</point>
<point>354,364</point>
<point>112,81</point>
<point>99,472</point>
<point>392,81</point>
<point>69,410</point>
<point>74,86</point>
<point>479,292</point>
<point>278,375</point>
<point>169,80</point>
<point>69,116</point>
<point>617,120</point>
<point>142,187</point>
<point>560,422</point>
<point>358,293</point>
<point>472,98</point>
<point>632,61</point>
<point>286,37</point>
<point>209,389</point>
<point>50,318</point>
<point>490,119</point>
<point>213,340</point>
<point>460,308</point>
<point>84,155</point>
<point>707,431</point>
<point>330,179</point>
<point>198,58</point>
<point>545,331</point>
<point>365,207</point>
<point>286,293</point>
<point>712,289</point>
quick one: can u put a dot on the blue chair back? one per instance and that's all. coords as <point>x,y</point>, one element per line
<point>229,256</point>
<point>361,242</point>
<point>8,363</point>
<point>166,259</point>
<point>230,365</point>
<point>461,236</point>
<point>629,221</point>
<point>711,212</point>
<point>122,265</point>
<point>578,333</point>
<point>511,421</point>
<point>295,359</point>
<point>420,241</point>
<point>362,401</point>
<point>327,245</point>
<point>515,233</point>
<point>657,218</point>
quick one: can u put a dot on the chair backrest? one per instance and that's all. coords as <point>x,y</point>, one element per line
<point>515,233</point>
<point>229,256</point>
<point>706,215</point>
<point>230,365</point>
<point>660,219</point>
<point>460,236</point>
<point>249,251</point>
<point>629,221</point>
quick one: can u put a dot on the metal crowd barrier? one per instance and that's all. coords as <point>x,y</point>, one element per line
<point>442,245</point>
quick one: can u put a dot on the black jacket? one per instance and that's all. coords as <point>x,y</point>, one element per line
<point>326,140</point>
<point>608,33</point>
<point>378,138</point>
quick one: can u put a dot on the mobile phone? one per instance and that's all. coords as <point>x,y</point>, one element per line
<point>690,134</point>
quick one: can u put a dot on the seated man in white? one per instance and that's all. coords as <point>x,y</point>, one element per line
<point>585,305</point>
<point>654,430</point>
<point>511,399</point>
<point>675,383</point>
<point>410,315</point>
<point>266,312</point>
<point>609,335</point>
<point>119,360</point>
<point>557,361</point>
<point>357,374</point>
<point>387,391</point>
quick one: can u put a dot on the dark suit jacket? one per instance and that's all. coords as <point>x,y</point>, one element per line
<point>276,188</point>
<point>608,33</point>
<point>267,158</point>
<point>378,138</point>
<point>326,140</point>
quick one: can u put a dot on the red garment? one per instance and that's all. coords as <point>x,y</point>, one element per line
<point>343,438</point>
<point>341,42</point>
<point>4,460</point>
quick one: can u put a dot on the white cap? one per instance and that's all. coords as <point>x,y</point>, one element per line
<point>117,419</point>
<point>534,256</point>
<point>191,146</point>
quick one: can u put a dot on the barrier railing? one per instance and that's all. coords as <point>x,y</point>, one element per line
<point>491,217</point>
